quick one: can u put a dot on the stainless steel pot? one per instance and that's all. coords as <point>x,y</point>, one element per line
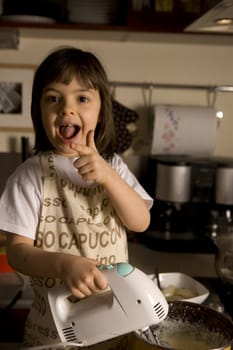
<point>191,326</point>
<point>224,183</point>
<point>173,182</point>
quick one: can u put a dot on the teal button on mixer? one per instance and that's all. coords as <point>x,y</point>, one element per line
<point>105,267</point>
<point>124,269</point>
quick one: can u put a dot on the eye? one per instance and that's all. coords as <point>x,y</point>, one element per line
<point>83,99</point>
<point>52,99</point>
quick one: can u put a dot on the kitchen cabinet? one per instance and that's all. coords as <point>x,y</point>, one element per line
<point>137,22</point>
<point>12,324</point>
<point>15,301</point>
<point>146,19</point>
<point>150,21</point>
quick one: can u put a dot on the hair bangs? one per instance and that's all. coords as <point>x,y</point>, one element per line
<point>65,75</point>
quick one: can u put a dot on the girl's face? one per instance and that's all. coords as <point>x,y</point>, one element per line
<point>69,112</point>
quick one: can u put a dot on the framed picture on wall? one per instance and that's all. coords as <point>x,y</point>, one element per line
<point>15,97</point>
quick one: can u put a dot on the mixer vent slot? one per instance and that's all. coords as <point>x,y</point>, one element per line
<point>159,310</point>
<point>69,334</point>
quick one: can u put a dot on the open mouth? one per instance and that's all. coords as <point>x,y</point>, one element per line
<point>69,131</point>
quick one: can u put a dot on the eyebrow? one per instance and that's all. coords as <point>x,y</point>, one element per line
<point>47,89</point>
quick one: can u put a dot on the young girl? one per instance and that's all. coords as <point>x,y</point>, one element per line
<point>65,209</point>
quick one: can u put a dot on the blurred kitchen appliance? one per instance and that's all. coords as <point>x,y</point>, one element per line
<point>224,257</point>
<point>193,199</point>
<point>11,160</point>
<point>222,210</point>
<point>222,234</point>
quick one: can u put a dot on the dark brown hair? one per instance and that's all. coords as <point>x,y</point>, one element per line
<point>62,66</point>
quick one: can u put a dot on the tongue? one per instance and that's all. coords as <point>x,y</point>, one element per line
<point>67,131</point>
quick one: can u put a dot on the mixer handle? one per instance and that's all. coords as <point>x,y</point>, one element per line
<point>122,269</point>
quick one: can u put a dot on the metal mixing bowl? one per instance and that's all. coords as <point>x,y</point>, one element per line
<point>192,326</point>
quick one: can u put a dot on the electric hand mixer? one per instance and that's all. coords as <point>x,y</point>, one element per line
<point>134,302</point>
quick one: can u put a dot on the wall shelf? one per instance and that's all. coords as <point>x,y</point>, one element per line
<point>150,85</point>
<point>62,26</point>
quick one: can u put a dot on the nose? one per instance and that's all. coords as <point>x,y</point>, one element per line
<point>66,112</point>
<point>66,109</point>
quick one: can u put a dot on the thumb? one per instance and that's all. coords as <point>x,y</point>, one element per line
<point>101,281</point>
<point>91,139</point>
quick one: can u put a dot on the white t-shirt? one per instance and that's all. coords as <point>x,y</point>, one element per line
<point>20,203</point>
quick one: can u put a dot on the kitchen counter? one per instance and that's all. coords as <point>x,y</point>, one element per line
<point>200,266</point>
<point>15,290</point>
<point>193,264</point>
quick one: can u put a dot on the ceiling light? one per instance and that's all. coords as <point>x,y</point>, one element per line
<point>219,114</point>
<point>224,21</point>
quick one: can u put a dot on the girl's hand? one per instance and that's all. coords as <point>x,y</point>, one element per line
<point>91,166</point>
<point>82,276</point>
<point>128,204</point>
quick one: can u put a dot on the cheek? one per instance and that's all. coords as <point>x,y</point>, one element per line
<point>46,116</point>
<point>45,120</point>
<point>91,121</point>
<point>43,114</point>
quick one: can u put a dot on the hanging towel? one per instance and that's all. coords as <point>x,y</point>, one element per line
<point>123,117</point>
<point>189,130</point>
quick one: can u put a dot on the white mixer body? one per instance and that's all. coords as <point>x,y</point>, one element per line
<point>133,302</point>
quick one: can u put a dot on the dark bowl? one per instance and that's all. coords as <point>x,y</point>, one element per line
<point>189,326</point>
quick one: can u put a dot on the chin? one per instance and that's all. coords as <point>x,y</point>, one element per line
<point>66,151</point>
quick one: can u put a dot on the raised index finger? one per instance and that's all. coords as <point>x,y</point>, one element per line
<point>91,140</point>
<point>80,149</point>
